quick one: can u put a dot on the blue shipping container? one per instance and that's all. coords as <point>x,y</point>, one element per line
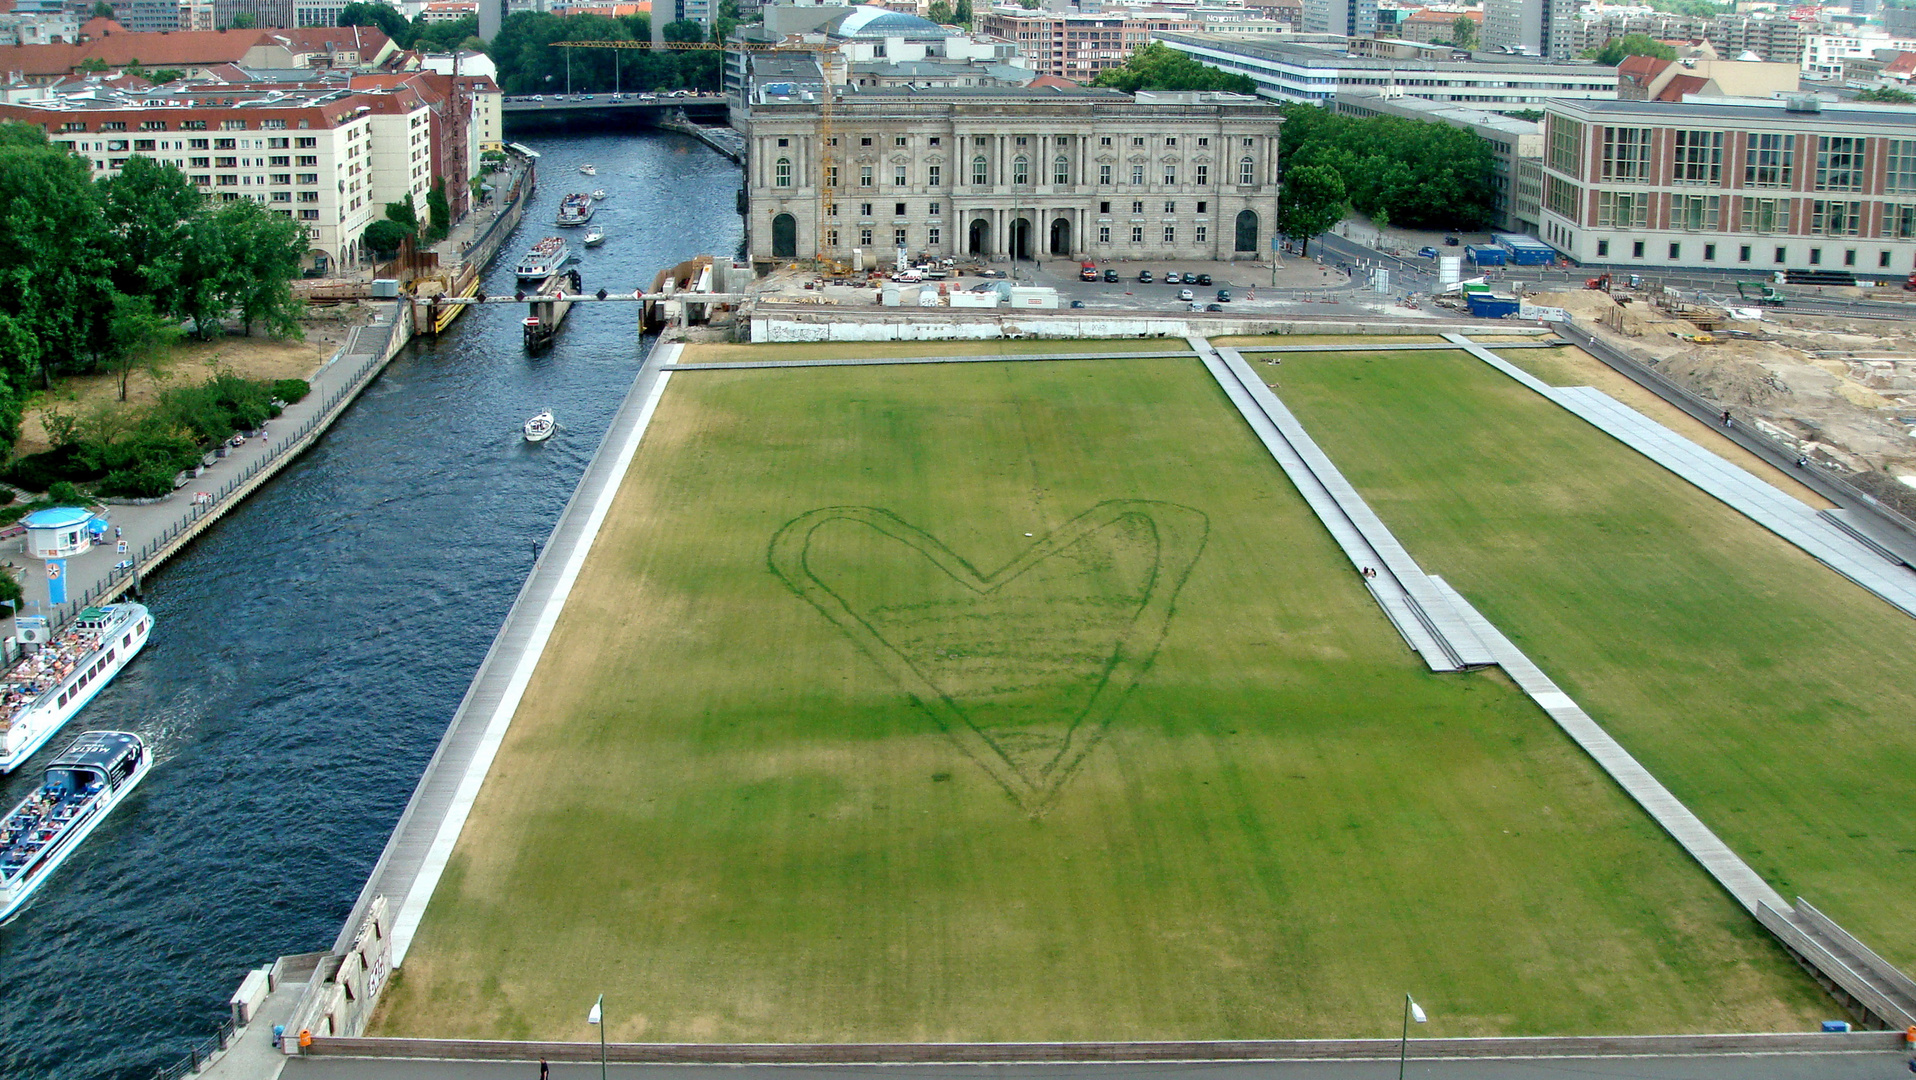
<point>1525,256</point>
<point>1485,256</point>
<point>1486,306</point>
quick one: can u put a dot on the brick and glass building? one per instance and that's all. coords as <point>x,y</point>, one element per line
<point>1064,173</point>
<point>1078,47</point>
<point>1757,185</point>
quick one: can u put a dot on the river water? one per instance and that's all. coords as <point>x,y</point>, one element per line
<point>309,650</point>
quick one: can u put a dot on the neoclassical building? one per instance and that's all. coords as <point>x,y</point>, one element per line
<point>1072,173</point>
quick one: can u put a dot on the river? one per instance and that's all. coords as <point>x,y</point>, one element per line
<point>309,650</point>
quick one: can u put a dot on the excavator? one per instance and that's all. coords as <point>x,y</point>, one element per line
<point>1600,283</point>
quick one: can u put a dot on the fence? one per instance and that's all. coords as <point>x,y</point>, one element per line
<point>1758,438</point>
<point>201,1053</point>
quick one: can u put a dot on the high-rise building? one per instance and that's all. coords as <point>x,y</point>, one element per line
<point>1078,47</point>
<point>1533,27</point>
<point>1351,18</point>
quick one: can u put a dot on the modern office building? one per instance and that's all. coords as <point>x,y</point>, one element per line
<point>1078,46</point>
<point>1746,184</point>
<point>1513,144</point>
<point>1296,72</point>
<point>1073,173</point>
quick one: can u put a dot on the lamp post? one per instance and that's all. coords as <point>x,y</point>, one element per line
<point>1412,1011</point>
<point>597,1018</point>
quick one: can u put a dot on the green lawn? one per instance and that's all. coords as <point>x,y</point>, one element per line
<point>1770,694</point>
<point>730,805</point>
<point>867,350</point>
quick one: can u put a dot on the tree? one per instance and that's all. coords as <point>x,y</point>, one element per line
<point>1425,176</point>
<point>243,20</point>
<point>385,237</point>
<point>1157,66</point>
<point>1312,201</point>
<point>140,338</point>
<point>940,13</point>
<point>1463,33</point>
<point>961,13</point>
<point>1887,95</point>
<point>102,10</point>
<point>1616,49</point>
<point>384,16</point>
<point>92,65</point>
<point>148,209</point>
<point>166,75</point>
<point>267,248</point>
<point>439,210</point>
<point>403,213</point>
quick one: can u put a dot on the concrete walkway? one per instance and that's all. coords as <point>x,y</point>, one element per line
<point>1761,502</point>
<point>415,855</point>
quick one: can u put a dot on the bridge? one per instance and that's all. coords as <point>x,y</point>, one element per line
<point>522,113</point>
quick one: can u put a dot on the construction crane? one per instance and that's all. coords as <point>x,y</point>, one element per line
<point>826,181</point>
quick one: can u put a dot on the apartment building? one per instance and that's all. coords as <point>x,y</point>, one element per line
<point>995,172</point>
<point>1295,72</point>
<point>1351,18</point>
<point>1076,46</point>
<point>1433,25</point>
<point>1546,28</point>
<point>1514,144</point>
<point>1773,38</point>
<point>1762,185</point>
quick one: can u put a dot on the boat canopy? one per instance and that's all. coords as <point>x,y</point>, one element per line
<point>96,757</point>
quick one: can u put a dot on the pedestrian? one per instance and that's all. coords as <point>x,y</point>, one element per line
<point>1726,418</point>
<point>545,1071</point>
<point>117,532</point>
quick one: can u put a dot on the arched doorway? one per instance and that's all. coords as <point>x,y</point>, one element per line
<point>1246,231</point>
<point>784,237</point>
<point>978,239</point>
<point>1061,236</point>
<point>1021,238</point>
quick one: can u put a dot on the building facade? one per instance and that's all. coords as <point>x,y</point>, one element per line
<point>1074,46</point>
<point>1763,185</point>
<point>1547,28</point>
<point>996,173</point>
<point>1295,72</point>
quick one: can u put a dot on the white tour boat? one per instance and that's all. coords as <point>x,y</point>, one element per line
<point>82,787</point>
<point>539,428</point>
<point>41,693</point>
<point>589,170</point>
<point>594,236</point>
<point>599,195</point>
<point>576,209</point>
<point>544,260</point>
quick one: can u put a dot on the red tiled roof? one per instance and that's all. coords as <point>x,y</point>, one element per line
<point>1425,15</point>
<point>184,48</point>
<point>367,40</point>
<point>1645,67</point>
<point>1046,82</point>
<point>1903,63</point>
<point>1681,85</point>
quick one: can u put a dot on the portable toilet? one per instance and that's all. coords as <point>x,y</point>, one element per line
<point>59,532</point>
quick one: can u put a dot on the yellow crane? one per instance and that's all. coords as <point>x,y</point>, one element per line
<point>825,183</point>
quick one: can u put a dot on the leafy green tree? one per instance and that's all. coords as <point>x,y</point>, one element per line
<point>961,12</point>
<point>384,16</point>
<point>940,12</point>
<point>439,210</point>
<point>441,36</point>
<point>166,75</point>
<point>384,237</point>
<point>149,207</point>
<point>102,10</point>
<point>1463,32</point>
<point>267,248</point>
<point>54,261</point>
<point>243,20</point>
<point>1887,95</point>
<point>1616,50</point>
<point>1313,200</point>
<point>1157,66</point>
<point>403,213</point>
<point>1423,175</point>
<point>93,65</point>
<point>139,337</point>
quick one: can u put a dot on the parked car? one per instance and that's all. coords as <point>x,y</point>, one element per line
<point>1204,279</point>
<point>1110,275</point>
<point>1077,303</point>
<point>1185,294</point>
<point>1173,278</point>
<point>1224,296</point>
<point>1144,277</point>
<point>1214,307</point>
<point>1427,252</point>
<point>991,273</point>
<point>1451,241</point>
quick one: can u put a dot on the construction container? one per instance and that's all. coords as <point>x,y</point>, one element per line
<point>1484,255</point>
<point>1489,306</point>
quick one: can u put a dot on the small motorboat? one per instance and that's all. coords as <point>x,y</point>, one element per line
<point>599,195</point>
<point>589,170</point>
<point>594,236</point>
<point>540,428</point>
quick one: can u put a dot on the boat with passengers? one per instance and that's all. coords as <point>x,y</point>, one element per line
<point>543,259</point>
<point>41,692</point>
<point>80,788</point>
<point>575,210</point>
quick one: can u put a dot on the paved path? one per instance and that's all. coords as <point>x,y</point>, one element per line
<point>1761,502</point>
<point>422,841</point>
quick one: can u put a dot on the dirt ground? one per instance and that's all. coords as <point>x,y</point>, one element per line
<point>1833,388</point>
<point>256,357</point>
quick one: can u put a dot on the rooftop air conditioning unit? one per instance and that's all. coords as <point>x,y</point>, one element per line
<point>1803,103</point>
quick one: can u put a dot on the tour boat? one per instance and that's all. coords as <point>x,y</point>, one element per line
<point>594,236</point>
<point>589,170</point>
<point>576,210</point>
<point>81,788</point>
<point>599,195</point>
<point>39,694</point>
<point>544,260</point>
<point>540,427</point>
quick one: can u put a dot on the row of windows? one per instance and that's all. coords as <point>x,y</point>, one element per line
<point>1020,173</point>
<point>1703,213</point>
<point>1744,252</point>
<point>1770,160</point>
<point>937,209</point>
<point>185,125</point>
<point>934,235</point>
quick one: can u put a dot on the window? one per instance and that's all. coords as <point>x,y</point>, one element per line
<point>1709,253</point>
<point>225,144</point>
<point>831,176</point>
<point>1104,175</point>
<point>281,161</point>
<point>784,143</point>
<point>1104,140</point>
<point>933,236</point>
<point>309,196</point>
<point>782,173</point>
<point>1137,176</point>
<point>1246,172</point>
<point>1170,140</point>
<point>979,140</point>
<point>1170,234</point>
<point>229,181</point>
<point>1170,207</point>
<point>1766,215</point>
<point>935,209</point>
<point>1694,213</point>
<point>1743,253</point>
<point>1839,163</point>
<point>1626,155</point>
<point>1137,141</point>
<point>202,163</point>
<point>1623,210</point>
<point>308,161</point>
<point>1816,256</point>
<point>865,140</point>
<point>1566,146</point>
<point>1603,249</point>
<point>1202,142</point>
<point>306,143</point>
<point>831,209</point>
<point>1104,206</point>
<point>309,178</point>
<point>831,238</point>
<point>1835,218</point>
<point>864,209</point>
<point>1061,171</point>
<point>277,144</point>
<point>142,145</point>
<point>1022,140</point>
<point>898,209</point>
<point>1170,174</point>
<point>1901,154</point>
<point>1203,234</point>
<point>1104,234</point>
<point>1849,257</point>
<point>1560,197</point>
<point>282,178</point>
<point>1020,170</point>
<point>1882,260</point>
<point>865,237</point>
<point>1699,158</point>
<point>199,144</point>
<point>898,140</point>
<point>309,215</point>
<point>1137,206</point>
<point>1769,161</point>
<point>1248,143</point>
<point>934,175</point>
<point>898,238</point>
<point>864,176</point>
<point>1782,254</point>
<point>1203,175</point>
<point>1636,250</point>
<point>1137,234</point>
<point>1899,221</point>
<point>980,173</point>
<point>282,196</point>
<point>898,176</point>
<point>934,141</point>
<point>1676,251</point>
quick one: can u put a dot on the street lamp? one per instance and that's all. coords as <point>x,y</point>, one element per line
<point>1412,1011</point>
<point>597,1018</point>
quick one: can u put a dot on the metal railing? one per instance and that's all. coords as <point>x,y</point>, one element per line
<point>201,1052</point>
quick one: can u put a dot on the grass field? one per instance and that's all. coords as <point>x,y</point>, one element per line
<point>865,350</point>
<point>833,742</point>
<point>1771,695</point>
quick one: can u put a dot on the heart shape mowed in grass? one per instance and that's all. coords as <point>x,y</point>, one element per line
<point>1023,667</point>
